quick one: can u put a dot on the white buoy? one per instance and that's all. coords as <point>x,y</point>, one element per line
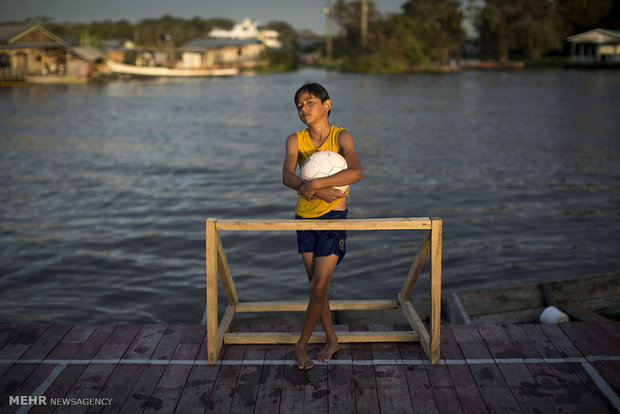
<point>551,315</point>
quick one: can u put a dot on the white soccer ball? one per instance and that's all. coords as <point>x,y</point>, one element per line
<point>323,164</point>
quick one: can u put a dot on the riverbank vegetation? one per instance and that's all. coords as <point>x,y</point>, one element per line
<point>424,35</point>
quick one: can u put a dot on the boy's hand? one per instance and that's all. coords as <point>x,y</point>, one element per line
<point>327,194</point>
<point>307,190</point>
<point>330,194</point>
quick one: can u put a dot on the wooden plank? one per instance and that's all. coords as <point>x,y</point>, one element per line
<point>365,384</point>
<point>564,390</point>
<point>224,325</point>
<point>119,341</point>
<point>142,389</point>
<point>471,343</point>
<point>169,341</point>
<point>246,392</point>
<point>46,342</point>
<point>458,313</point>
<point>464,384</point>
<point>500,400</point>
<point>443,389</point>
<point>498,342</point>
<point>94,342</point>
<point>561,344</point>
<point>435,318</point>
<point>302,305</point>
<point>72,342</point>
<point>25,386</point>
<point>226,381</point>
<point>317,337</point>
<point>225,276</point>
<point>170,386</point>
<point>610,371</point>
<point>340,379</point>
<point>270,387</point>
<point>169,389</point>
<point>392,389</point>
<point>466,389</point>
<point>595,397</point>
<point>119,385</point>
<point>7,333</point>
<point>24,338</point>
<point>422,397</point>
<point>145,342</point>
<point>293,382</point>
<point>60,386</point>
<point>213,347</point>
<point>416,323</point>
<point>12,378</point>
<point>198,389</point>
<point>348,224</point>
<point>92,380</point>
<point>522,342</point>
<point>416,266</point>
<point>581,313</point>
<point>316,391</point>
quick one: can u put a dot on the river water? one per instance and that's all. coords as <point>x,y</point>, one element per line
<point>105,188</point>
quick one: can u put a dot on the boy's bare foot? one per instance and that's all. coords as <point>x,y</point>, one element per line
<point>303,360</point>
<point>326,354</point>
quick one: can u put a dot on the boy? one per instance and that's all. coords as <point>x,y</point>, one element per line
<point>320,251</point>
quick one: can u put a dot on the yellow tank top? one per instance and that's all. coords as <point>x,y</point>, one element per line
<point>305,148</point>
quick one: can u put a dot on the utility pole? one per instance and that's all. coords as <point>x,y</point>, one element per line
<point>327,11</point>
<point>364,23</point>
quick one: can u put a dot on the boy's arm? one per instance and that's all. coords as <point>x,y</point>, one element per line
<point>289,178</point>
<point>350,175</point>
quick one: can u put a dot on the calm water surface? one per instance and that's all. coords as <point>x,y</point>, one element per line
<point>104,189</point>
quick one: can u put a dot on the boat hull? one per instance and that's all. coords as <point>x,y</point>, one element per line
<point>147,71</point>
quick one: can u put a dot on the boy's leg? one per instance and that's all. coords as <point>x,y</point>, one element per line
<point>326,315</point>
<point>318,307</point>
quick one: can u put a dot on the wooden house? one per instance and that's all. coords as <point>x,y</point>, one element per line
<point>211,52</point>
<point>596,47</point>
<point>34,54</point>
<point>30,49</point>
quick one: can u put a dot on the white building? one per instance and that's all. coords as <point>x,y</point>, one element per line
<point>595,46</point>
<point>248,29</point>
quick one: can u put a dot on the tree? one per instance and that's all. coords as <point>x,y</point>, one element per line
<point>437,25</point>
<point>348,15</point>
<point>582,15</point>
<point>530,27</point>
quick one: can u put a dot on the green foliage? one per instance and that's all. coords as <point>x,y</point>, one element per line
<point>424,35</point>
<point>530,28</point>
<point>281,60</point>
<point>582,15</point>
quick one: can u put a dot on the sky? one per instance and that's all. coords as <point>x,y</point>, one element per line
<point>301,14</point>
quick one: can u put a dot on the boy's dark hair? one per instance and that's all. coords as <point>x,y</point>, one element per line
<point>314,89</point>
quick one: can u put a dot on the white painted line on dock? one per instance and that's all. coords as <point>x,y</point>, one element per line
<point>473,361</point>
<point>600,382</point>
<point>40,390</point>
<point>602,385</point>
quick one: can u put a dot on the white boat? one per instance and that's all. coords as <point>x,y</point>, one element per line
<point>150,71</point>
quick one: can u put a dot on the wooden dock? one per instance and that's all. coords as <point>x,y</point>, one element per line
<point>572,367</point>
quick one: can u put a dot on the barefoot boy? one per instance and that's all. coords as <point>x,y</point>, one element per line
<point>320,251</point>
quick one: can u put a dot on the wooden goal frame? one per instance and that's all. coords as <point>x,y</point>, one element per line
<point>217,263</point>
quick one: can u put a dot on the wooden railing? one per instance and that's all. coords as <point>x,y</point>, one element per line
<point>217,263</point>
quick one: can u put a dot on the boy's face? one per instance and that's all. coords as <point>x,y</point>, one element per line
<point>310,108</point>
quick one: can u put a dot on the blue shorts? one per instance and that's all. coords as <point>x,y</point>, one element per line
<point>323,242</point>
